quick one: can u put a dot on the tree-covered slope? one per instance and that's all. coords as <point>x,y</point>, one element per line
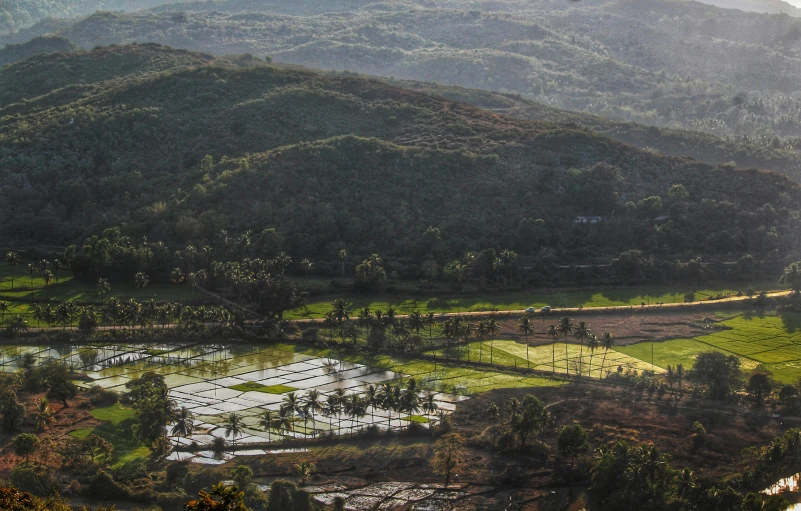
<point>330,161</point>
<point>18,14</point>
<point>16,52</point>
<point>670,63</point>
<point>701,146</point>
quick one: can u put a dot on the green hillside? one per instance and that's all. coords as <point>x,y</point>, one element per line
<point>668,63</point>
<point>179,154</point>
<point>16,52</point>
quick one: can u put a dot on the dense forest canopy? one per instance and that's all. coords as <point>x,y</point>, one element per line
<point>176,146</point>
<point>663,62</point>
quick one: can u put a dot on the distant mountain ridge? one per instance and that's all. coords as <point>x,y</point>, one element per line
<point>759,6</point>
<point>669,63</point>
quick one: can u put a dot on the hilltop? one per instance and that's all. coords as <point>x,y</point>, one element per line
<point>16,52</point>
<point>178,154</point>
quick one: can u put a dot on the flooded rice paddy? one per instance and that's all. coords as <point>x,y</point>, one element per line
<point>787,485</point>
<point>215,380</point>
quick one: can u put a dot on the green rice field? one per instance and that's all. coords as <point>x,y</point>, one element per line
<point>772,341</point>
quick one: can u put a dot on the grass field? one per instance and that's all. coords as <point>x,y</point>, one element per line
<point>513,354</point>
<point>25,290</point>
<point>442,377</point>
<point>319,306</point>
<point>773,341</point>
<point>116,429</point>
<point>267,389</point>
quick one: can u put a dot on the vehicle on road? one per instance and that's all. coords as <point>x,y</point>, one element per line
<point>546,309</point>
<point>531,309</point>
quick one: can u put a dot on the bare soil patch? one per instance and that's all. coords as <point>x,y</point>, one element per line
<point>627,329</point>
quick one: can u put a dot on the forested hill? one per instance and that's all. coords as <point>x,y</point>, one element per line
<point>761,6</point>
<point>17,52</point>
<point>741,151</point>
<point>329,161</point>
<point>18,14</point>
<point>669,63</point>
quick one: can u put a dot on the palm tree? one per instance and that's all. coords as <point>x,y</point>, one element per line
<point>553,333</point>
<point>48,315</point>
<point>492,410</point>
<point>592,344</point>
<point>291,402</point>
<point>3,310</point>
<point>267,421</point>
<point>234,427</point>
<point>331,407</point>
<point>481,334</point>
<point>47,277</point>
<point>687,482</point>
<point>493,328</point>
<point>340,313</point>
<point>340,395</point>
<point>285,419</point>
<point>565,328</point>
<point>430,406</point>
<point>416,322</point>
<point>177,277</point>
<point>184,423</point>
<point>103,287</point>
<point>526,328</point>
<point>31,272</point>
<point>372,398</point>
<point>343,255</point>
<point>430,322</point>
<point>12,259</point>
<point>679,374</point>
<point>582,333</point>
<point>607,343</point>
<point>366,319</point>
<point>312,402</point>
<point>305,469</point>
<point>44,414</point>
<point>387,397</point>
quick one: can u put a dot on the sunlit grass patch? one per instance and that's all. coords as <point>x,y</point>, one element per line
<point>267,389</point>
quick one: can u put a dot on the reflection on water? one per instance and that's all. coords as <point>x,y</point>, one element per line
<point>786,485</point>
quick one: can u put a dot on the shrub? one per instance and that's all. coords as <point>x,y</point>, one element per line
<point>34,478</point>
<point>104,486</point>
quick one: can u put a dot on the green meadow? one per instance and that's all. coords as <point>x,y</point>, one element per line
<point>116,429</point>
<point>405,304</point>
<point>25,289</point>
<point>770,341</point>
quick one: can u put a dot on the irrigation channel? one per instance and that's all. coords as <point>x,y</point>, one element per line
<point>215,380</point>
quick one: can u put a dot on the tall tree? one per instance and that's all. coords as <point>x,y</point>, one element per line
<point>493,329</point>
<point>582,333</point>
<point>12,259</point>
<point>607,343</point>
<point>565,329</point>
<point>447,456</point>
<point>184,423</point>
<point>592,345</point>
<point>234,427</point>
<point>525,327</point>
<point>141,280</point>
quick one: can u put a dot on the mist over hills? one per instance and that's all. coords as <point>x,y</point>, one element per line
<point>662,62</point>
<point>175,146</point>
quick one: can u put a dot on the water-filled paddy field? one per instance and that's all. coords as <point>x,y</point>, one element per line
<point>215,380</point>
